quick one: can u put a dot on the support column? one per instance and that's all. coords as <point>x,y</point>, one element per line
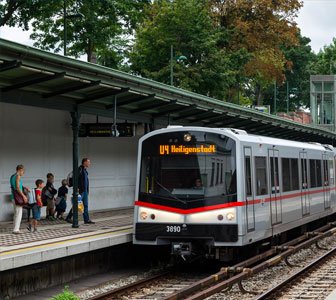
<point>75,116</point>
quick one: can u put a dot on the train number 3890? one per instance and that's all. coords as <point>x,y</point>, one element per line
<point>173,228</point>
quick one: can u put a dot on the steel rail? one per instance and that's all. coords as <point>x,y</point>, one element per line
<point>297,275</point>
<point>129,287</point>
<point>217,282</point>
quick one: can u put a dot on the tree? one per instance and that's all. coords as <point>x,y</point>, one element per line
<point>21,12</point>
<point>102,29</point>
<point>187,26</point>
<point>261,27</point>
<point>325,62</point>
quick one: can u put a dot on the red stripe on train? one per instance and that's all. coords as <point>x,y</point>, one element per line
<point>225,205</point>
<point>190,210</point>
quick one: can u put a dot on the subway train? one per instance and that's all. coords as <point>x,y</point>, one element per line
<point>213,190</point>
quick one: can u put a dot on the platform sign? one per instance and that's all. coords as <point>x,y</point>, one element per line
<point>105,130</point>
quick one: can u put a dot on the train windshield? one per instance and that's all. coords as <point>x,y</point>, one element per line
<point>188,169</point>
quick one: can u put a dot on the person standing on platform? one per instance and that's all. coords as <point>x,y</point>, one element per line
<point>83,188</point>
<point>37,207</point>
<point>49,193</point>
<point>16,184</point>
<point>61,200</point>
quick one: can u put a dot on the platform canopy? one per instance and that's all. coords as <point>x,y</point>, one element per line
<point>29,76</point>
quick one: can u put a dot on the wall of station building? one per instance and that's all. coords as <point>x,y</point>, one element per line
<point>41,140</point>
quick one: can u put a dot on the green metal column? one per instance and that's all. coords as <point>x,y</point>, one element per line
<point>275,95</point>
<point>171,65</point>
<point>287,95</point>
<point>64,28</point>
<point>75,153</point>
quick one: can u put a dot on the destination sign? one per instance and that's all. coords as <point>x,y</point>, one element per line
<point>181,149</point>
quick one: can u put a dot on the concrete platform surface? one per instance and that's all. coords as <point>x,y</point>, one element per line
<point>56,239</point>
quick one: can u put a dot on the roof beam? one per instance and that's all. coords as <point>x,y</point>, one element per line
<point>168,111</point>
<point>191,114</point>
<point>235,122</point>
<point>179,109</point>
<point>9,65</point>
<point>104,95</point>
<point>70,89</point>
<point>205,116</point>
<point>134,100</point>
<point>215,119</point>
<point>32,81</point>
<point>152,106</point>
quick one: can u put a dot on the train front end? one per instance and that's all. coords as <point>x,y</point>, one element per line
<point>186,190</point>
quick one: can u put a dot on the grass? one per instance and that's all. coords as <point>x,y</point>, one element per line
<point>66,295</point>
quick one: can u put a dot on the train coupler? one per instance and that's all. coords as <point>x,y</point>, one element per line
<point>182,249</point>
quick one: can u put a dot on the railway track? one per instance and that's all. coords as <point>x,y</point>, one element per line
<point>171,286</point>
<point>315,281</point>
<point>154,287</point>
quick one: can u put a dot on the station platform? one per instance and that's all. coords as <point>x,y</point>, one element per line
<point>57,239</point>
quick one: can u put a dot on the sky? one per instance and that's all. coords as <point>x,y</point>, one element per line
<point>317,20</point>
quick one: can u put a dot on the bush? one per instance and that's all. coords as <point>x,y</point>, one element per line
<point>66,295</point>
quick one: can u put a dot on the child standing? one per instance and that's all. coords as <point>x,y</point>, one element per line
<point>49,193</point>
<point>37,207</point>
<point>61,199</point>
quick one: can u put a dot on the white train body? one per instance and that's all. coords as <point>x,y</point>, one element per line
<point>252,187</point>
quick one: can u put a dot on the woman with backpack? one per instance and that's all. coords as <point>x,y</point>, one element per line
<point>17,188</point>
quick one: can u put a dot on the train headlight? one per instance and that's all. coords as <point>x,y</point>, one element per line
<point>143,215</point>
<point>230,216</point>
<point>187,137</point>
<point>220,217</point>
<point>152,216</point>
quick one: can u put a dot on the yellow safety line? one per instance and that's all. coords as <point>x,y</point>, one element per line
<point>63,242</point>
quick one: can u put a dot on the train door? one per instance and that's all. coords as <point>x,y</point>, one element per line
<point>275,196</point>
<point>305,200</point>
<point>249,193</point>
<point>326,184</point>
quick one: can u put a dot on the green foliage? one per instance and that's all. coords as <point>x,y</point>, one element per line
<point>299,61</point>
<point>66,295</point>
<point>325,62</point>
<point>187,26</point>
<point>95,26</point>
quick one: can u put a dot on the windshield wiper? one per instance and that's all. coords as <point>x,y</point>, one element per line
<point>170,193</point>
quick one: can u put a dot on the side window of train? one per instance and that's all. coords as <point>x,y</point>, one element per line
<point>261,175</point>
<point>248,177</point>
<point>331,172</point>
<point>217,174</point>
<point>212,179</point>
<point>294,166</point>
<point>325,172</point>
<point>286,172</point>
<point>313,173</point>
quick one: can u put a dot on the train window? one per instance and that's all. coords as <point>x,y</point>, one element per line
<point>331,172</point>
<point>212,174</point>
<point>318,173</point>
<point>248,178</point>
<point>274,175</point>
<point>325,173</point>
<point>286,174</point>
<point>217,175</point>
<point>304,174</point>
<point>261,175</point>
<point>221,173</point>
<point>312,168</point>
<point>294,173</point>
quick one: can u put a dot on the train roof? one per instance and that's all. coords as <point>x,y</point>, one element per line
<point>242,135</point>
